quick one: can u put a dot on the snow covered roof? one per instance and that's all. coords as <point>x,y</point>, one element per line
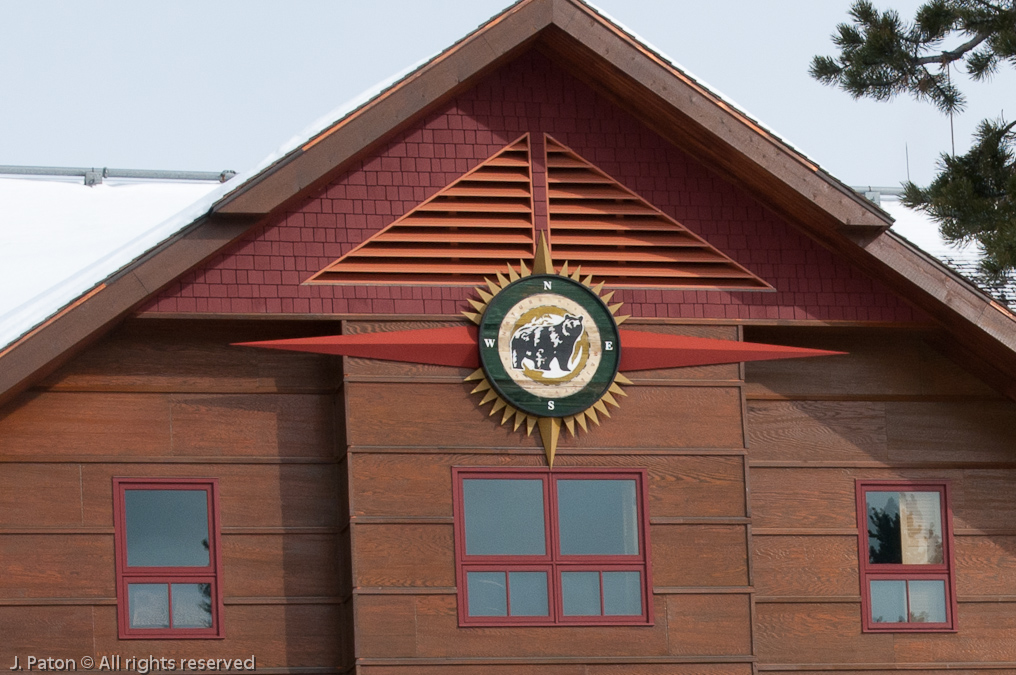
<point>921,231</point>
<point>59,238</point>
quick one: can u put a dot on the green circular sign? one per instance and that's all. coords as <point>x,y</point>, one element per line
<point>549,346</point>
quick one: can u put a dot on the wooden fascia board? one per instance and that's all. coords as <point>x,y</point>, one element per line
<point>443,77</point>
<point>963,300</point>
<point>722,124</point>
<point>50,345</point>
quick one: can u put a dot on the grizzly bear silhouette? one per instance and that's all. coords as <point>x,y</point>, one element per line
<point>542,341</point>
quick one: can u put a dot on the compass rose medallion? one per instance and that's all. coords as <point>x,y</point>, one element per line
<point>549,349</point>
<point>546,349</point>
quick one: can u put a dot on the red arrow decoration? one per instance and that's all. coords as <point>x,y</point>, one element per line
<point>457,346</point>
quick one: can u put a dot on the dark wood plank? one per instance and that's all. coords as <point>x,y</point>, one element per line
<point>702,625</point>
<point>986,565</point>
<point>60,632</point>
<point>40,495</point>
<point>803,498</point>
<point>816,430</point>
<point>818,633</point>
<point>982,499</point>
<point>392,484</point>
<point>801,566</point>
<point>985,634</point>
<point>288,495</point>
<point>71,424</point>
<point>404,555</point>
<point>438,635</point>
<point>439,415</point>
<point>160,355</point>
<point>274,565</point>
<point>277,635</point>
<point>55,566</point>
<point>879,363</point>
<point>385,625</point>
<point>951,431</point>
<point>699,555</point>
<point>268,425</point>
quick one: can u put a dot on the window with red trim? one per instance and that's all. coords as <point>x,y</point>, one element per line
<point>536,547</point>
<point>168,566</point>
<point>908,578</point>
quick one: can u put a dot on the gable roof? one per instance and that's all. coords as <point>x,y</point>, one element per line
<point>623,70</point>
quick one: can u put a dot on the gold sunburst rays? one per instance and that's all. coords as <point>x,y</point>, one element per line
<point>550,427</point>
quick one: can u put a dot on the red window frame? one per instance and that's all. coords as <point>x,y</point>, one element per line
<point>553,562</point>
<point>210,574</point>
<point>946,571</point>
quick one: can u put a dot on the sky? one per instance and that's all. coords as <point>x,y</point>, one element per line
<point>208,86</point>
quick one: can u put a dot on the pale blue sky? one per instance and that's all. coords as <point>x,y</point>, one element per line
<point>213,85</point>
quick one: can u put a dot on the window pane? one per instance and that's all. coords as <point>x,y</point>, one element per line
<point>598,517</point>
<point>883,527</point>
<point>528,593</point>
<point>927,601</point>
<point>192,605</point>
<point>149,605</point>
<point>167,528</point>
<point>888,601</point>
<point>581,593</point>
<point>487,594</point>
<point>921,528</point>
<point>504,517</point>
<point>622,593</point>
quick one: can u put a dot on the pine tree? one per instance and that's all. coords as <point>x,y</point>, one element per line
<point>973,198</point>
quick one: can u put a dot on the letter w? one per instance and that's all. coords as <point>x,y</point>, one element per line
<point>488,341</point>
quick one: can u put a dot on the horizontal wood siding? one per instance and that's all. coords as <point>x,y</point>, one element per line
<point>894,408</point>
<point>409,425</point>
<point>167,398</point>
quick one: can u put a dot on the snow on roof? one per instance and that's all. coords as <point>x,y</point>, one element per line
<point>921,231</point>
<point>59,238</point>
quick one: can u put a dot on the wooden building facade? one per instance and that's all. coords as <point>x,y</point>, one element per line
<point>328,500</point>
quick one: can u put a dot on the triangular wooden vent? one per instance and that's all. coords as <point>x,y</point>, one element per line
<point>620,238</point>
<point>468,230</point>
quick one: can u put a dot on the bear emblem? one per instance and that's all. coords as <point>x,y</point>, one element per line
<point>547,344</point>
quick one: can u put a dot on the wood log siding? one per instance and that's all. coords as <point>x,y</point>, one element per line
<point>173,399</point>
<point>893,409</point>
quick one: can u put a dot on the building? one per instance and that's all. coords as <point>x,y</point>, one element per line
<point>168,494</point>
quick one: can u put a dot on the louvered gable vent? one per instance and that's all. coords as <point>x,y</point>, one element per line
<point>484,220</point>
<point>620,238</point>
<point>465,232</point>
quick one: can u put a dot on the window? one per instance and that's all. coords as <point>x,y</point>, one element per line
<point>167,558</point>
<point>536,547</point>
<point>907,580</point>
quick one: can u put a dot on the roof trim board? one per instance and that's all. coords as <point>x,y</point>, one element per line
<point>631,75</point>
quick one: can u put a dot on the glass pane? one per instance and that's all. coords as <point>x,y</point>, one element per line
<point>167,528</point>
<point>581,593</point>
<point>504,517</point>
<point>921,528</point>
<point>487,594</point>
<point>528,593</point>
<point>622,593</point>
<point>888,601</point>
<point>883,527</point>
<point>598,517</point>
<point>927,601</point>
<point>149,605</point>
<point>192,605</point>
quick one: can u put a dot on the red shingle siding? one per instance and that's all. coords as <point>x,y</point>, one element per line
<point>264,272</point>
